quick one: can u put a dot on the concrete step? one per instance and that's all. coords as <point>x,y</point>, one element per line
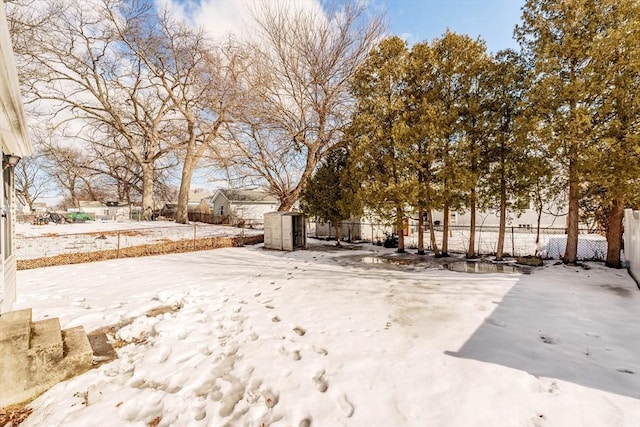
<point>78,354</point>
<point>15,329</point>
<point>45,347</point>
<point>49,356</point>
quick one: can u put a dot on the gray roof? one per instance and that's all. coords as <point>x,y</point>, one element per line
<point>248,195</point>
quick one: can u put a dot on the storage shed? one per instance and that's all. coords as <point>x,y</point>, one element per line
<point>284,231</point>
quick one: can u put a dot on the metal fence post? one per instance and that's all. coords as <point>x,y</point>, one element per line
<point>118,246</point>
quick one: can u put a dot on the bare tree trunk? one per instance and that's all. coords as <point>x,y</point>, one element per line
<point>538,220</point>
<point>336,229</point>
<point>287,202</point>
<point>571,251</point>
<point>400,228</point>
<point>614,234</point>
<point>432,235</point>
<point>503,219</point>
<point>420,231</point>
<point>147,190</point>
<point>182,212</point>
<point>445,230</point>
<point>471,251</point>
<point>74,196</point>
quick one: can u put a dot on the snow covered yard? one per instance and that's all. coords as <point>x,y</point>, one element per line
<point>317,338</point>
<point>37,241</point>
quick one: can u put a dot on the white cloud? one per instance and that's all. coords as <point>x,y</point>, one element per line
<point>223,17</point>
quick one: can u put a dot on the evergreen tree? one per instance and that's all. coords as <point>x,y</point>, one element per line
<point>330,193</point>
<point>475,126</point>
<point>509,159</point>
<point>422,116</point>
<point>378,134</point>
<point>557,36</point>
<point>455,57</point>
<point>614,169</point>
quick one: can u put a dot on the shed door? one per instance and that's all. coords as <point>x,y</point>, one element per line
<point>287,232</point>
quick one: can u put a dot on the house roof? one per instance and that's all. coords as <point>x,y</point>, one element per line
<point>91,204</point>
<point>198,195</point>
<point>13,127</point>
<point>234,195</point>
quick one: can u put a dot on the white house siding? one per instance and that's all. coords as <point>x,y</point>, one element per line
<point>251,212</point>
<point>528,218</point>
<point>233,211</point>
<point>13,141</point>
<point>632,242</point>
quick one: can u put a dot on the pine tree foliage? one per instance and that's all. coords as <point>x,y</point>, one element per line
<point>379,133</point>
<point>512,164</point>
<point>584,54</point>
<point>331,194</point>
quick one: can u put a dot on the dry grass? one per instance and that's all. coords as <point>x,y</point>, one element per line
<point>168,247</point>
<point>14,415</point>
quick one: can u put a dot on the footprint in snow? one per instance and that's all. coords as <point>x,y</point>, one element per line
<point>270,398</point>
<point>547,339</point>
<point>320,350</point>
<point>293,354</point>
<point>320,382</point>
<point>300,331</point>
<point>345,406</point>
<point>496,322</point>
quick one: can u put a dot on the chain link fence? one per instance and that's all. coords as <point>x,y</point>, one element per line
<point>518,241</point>
<point>54,248</point>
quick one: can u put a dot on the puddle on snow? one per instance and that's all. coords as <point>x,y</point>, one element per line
<point>484,267</point>
<point>378,260</point>
<point>460,266</point>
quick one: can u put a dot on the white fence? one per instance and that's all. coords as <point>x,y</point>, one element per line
<point>632,242</point>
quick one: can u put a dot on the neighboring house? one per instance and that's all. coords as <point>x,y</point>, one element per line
<point>15,144</point>
<point>526,219</point>
<point>118,211</point>
<point>230,206</point>
<point>111,210</point>
<point>373,228</point>
<point>39,207</point>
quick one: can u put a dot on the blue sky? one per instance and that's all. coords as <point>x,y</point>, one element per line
<point>419,20</point>
<point>414,20</point>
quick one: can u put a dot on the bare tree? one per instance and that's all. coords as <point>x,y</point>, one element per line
<point>78,69</point>
<point>65,165</point>
<point>298,102</point>
<point>200,81</point>
<point>31,180</point>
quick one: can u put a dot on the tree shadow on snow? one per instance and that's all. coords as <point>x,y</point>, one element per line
<point>578,331</point>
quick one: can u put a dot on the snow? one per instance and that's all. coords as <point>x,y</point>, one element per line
<point>36,241</point>
<point>319,338</point>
